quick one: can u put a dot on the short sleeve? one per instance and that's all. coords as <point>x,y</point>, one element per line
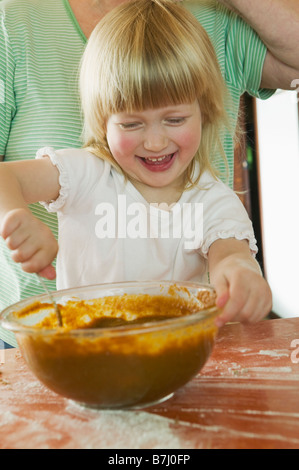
<point>224,216</point>
<point>80,174</point>
<point>245,56</point>
<point>64,192</point>
<point>7,98</point>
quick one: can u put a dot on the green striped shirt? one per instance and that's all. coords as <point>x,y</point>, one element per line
<point>41,45</point>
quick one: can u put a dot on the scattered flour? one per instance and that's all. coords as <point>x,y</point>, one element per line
<point>273,353</point>
<point>76,428</point>
<point>130,429</point>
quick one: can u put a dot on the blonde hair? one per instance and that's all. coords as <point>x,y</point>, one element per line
<point>149,54</point>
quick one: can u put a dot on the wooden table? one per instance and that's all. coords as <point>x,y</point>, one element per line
<point>247,396</point>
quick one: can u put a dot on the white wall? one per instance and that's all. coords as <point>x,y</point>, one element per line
<point>278,148</point>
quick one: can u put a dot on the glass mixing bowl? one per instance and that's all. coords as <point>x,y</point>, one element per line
<point>122,345</point>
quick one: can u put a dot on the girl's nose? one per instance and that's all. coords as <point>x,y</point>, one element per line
<point>155,140</point>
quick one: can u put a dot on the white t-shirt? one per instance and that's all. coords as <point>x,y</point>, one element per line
<point>109,233</point>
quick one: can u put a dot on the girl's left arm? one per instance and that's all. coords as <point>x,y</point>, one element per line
<point>242,292</point>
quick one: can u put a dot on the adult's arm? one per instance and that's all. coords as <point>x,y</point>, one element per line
<point>277,24</point>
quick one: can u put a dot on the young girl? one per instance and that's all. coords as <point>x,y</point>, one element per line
<point>142,199</point>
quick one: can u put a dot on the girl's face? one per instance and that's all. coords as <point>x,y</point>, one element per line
<point>154,147</point>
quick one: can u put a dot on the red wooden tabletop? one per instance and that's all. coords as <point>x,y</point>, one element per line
<point>245,397</point>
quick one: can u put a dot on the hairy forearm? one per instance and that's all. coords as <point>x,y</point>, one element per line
<point>276,22</point>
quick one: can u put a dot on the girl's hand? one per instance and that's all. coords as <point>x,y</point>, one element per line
<point>242,292</point>
<point>31,241</point>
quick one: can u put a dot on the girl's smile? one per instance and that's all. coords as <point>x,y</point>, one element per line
<point>158,163</point>
<point>154,147</point>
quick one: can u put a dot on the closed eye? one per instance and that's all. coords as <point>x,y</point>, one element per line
<point>175,120</point>
<point>129,125</point>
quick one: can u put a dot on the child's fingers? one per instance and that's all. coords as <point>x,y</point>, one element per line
<point>25,251</point>
<point>35,255</point>
<point>230,312</point>
<point>12,222</point>
<point>39,261</point>
<point>221,287</point>
<point>31,242</point>
<point>48,272</point>
<point>16,239</point>
<point>9,228</point>
<point>17,233</point>
<point>222,292</point>
<point>248,305</point>
<point>232,302</point>
<point>222,298</point>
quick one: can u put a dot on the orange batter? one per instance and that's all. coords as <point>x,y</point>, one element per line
<point>117,367</point>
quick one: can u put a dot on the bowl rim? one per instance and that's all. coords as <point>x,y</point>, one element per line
<point>187,320</point>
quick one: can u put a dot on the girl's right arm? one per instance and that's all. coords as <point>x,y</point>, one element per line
<point>31,241</point>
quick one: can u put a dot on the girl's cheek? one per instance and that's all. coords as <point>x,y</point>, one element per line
<point>191,140</point>
<point>122,144</point>
<point>127,143</point>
